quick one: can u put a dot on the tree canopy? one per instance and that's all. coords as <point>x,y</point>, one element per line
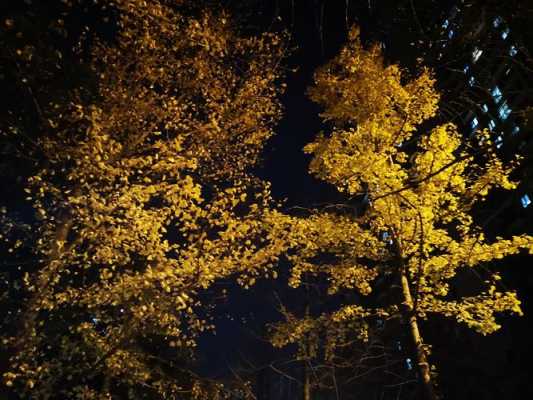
<point>416,227</point>
<point>143,198</point>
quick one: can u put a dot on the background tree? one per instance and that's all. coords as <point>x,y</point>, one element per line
<point>144,199</point>
<point>417,238</point>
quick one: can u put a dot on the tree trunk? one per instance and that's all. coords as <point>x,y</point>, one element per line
<point>420,353</point>
<point>307,369</point>
<point>409,315</point>
<point>307,381</point>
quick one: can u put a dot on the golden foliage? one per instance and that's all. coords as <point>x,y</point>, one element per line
<point>420,191</point>
<point>145,201</point>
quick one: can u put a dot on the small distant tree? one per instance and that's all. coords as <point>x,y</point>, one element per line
<point>143,199</point>
<point>396,247</point>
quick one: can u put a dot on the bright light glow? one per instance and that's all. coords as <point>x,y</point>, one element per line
<point>513,51</point>
<point>505,33</point>
<point>496,94</point>
<point>385,236</point>
<point>503,111</point>
<point>525,200</point>
<point>499,141</point>
<point>476,54</point>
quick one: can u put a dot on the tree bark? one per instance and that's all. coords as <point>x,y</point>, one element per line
<point>424,370</point>
<point>307,369</point>
<point>307,382</point>
<point>409,315</point>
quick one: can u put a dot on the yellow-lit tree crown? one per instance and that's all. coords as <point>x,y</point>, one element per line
<point>419,189</point>
<point>145,200</point>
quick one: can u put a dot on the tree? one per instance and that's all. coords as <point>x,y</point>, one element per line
<point>143,200</point>
<point>402,253</point>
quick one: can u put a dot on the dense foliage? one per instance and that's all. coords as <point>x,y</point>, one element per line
<point>143,198</point>
<point>415,230</point>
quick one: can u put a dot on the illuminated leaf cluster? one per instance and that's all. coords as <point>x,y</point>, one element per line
<point>144,201</point>
<point>416,192</point>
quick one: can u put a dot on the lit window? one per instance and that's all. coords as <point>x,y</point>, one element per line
<point>513,51</point>
<point>485,108</point>
<point>474,123</point>
<point>471,81</point>
<point>516,129</point>
<point>497,22</point>
<point>525,200</point>
<point>445,24</point>
<point>496,94</point>
<point>476,54</point>
<point>499,140</point>
<point>492,124</point>
<point>466,68</point>
<point>385,236</point>
<point>450,34</point>
<point>504,111</point>
<point>505,33</point>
